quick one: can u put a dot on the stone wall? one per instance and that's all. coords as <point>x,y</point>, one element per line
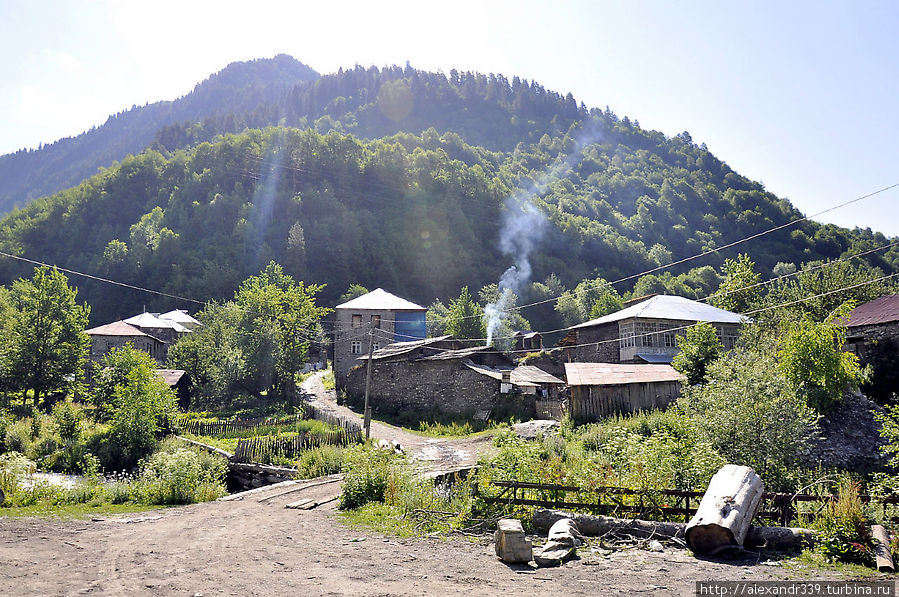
<point>878,346</point>
<point>597,344</point>
<point>442,386</point>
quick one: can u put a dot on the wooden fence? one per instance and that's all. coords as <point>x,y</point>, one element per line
<point>264,448</point>
<point>216,428</point>
<point>780,508</point>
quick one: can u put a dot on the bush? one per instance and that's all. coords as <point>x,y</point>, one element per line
<point>371,475</point>
<point>18,436</point>
<point>845,534</point>
<point>318,462</point>
<point>67,419</point>
<point>179,477</point>
<point>14,469</point>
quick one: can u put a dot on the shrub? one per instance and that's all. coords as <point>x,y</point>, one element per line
<point>18,436</point>
<point>371,475</point>
<point>321,461</point>
<point>845,534</point>
<point>67,419</point>
<point>178,475</point>
<point>14,469</point>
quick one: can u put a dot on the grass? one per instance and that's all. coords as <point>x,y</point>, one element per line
<point>75,510</point>
<point>809,564</point>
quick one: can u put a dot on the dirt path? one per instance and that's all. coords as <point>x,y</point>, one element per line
<point>435,454</point>
<point>255,546</point>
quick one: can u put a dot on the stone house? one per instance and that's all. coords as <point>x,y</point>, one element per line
<point>646,331</point>
<point>527,341</point>
<point>383,316</point>
<point>872,334</point>
<point>599,390</point>
<point>430,377</point>
<point>178,381</point>
<point>149,332</point>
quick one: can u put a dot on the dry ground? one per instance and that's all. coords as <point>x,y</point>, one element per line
<point>253,547</point>
<point>250,548</point>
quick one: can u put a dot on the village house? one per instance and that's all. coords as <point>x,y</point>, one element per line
<point>872,334</point>
<point>599,390</point>
<point>384,317</point>
<point>178,382</point>
<point>438,375</point>
<point>646,331</point>
<point>527,341</point>
<point>150,332</point>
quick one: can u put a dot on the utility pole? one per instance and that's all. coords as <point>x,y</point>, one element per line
<point>371,349</point>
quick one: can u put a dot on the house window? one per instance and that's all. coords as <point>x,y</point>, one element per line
<point>376,346</point>
<point>376,322</point>
<point>357,321</point>
<point>357,347</point>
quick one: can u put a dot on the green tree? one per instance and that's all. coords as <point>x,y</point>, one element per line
<point>813,360</point>
<point>465,319</point>
<point>134,400</point>
<point>750,414</point>
<point>436,318</point>
<point>354,291</point>
<point>49,346</point>
<point>589,299</point>
<point>699,347</point>
<point>256,343</point>
<point>739,291</point>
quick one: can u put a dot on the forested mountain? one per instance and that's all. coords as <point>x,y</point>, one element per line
<point>396,177</point>
<point>239,88</point>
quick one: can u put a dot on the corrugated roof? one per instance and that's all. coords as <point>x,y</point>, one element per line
<point>171,376</point>
<point>655,358</point>
<point>526,375</point>
<point>180,316</point>
<point>380,299</point>
<point>664,306</point>
<point>116,328</point>
<point>608,374</point>
<point>152,320</point>
<point>882,310</point>
<point>400,348</point>
<point>462,353</point>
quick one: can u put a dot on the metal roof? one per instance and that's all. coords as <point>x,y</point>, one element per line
<point>380,299</point>
<point>655,358</point>
<point>664,306</point>
<point>526,375</point>
<point>152,320</point>
<point>609,374</point>
<point>882,310</point>
<point>180,316</point>
<point>401,348</point>
<point>116,328</point>
<point>450,355</point>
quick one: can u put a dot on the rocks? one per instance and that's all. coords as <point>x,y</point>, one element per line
<point>851,436</point>
<point>562,541</point>
<point>532,429</point>
<point>511,545</point>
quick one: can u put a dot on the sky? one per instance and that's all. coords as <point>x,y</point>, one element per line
<point>798,95</point>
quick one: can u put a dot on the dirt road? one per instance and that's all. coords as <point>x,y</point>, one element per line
<point>434,454</point>
<point>253,547</point>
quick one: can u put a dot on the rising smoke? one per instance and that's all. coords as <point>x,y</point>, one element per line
<point>523,227</point>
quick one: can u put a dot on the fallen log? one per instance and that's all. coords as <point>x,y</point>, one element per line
<point>882,555</point>
<point>726,511</point>
<point>778,538</point>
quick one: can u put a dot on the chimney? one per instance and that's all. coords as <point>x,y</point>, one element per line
<point>507,376</point>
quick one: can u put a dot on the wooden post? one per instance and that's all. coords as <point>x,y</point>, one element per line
<point>371,349</point>
<point>726,511</point>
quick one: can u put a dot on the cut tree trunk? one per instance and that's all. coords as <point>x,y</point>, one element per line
<point>779,538</point>
<point>726,510</point>
<point>882,554</point>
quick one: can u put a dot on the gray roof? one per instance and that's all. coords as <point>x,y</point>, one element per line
<point>401,348</point>
<point>152,320</point>
<point>526,375</point>
<point>380,300</point>
<point>117,328</point>
<point>180,316</point>
<point>611,374</point>
<point>665,306</point>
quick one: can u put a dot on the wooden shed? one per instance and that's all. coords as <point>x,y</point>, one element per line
<point>600,390</point>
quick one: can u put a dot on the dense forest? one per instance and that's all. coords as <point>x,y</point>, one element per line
<point>338,195</point>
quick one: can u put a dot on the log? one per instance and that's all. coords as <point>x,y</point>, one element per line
<point>726,511</point>
<point>882,553</point>
<point>779,538</point>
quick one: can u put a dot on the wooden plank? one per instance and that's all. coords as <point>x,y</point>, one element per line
<point>300,504</point>
<point>252,492</point>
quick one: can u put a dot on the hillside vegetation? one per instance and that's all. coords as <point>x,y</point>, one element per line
<point>345,198</point>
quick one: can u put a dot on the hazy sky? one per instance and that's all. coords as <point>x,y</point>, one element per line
<point>801,96</point>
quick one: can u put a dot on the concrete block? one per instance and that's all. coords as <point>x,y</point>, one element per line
<point>511,545</point>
